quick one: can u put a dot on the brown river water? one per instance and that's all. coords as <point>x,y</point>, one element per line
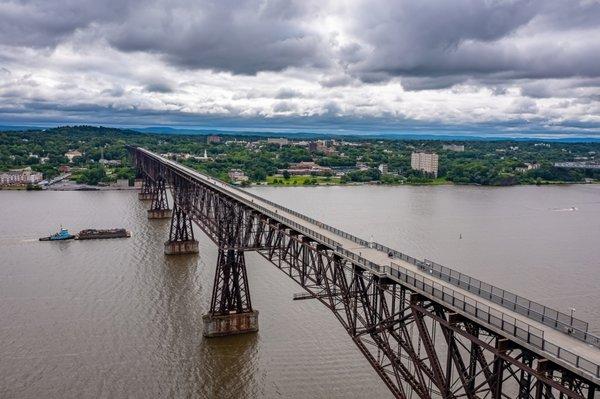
<point>118,319</point>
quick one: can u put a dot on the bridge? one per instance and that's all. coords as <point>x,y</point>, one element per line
<point>427,330</point>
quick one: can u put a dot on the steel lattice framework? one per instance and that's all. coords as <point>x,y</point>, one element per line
<point>417,345</point>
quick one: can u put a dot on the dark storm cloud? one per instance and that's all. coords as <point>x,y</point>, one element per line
<point>243,37</point>
<point>43,23</point>
<point>433,40</point>
<point>426,39</point>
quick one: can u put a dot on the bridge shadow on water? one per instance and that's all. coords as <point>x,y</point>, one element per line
<point>225,367</point>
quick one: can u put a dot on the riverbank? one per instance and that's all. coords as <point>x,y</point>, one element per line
<point>294,181</point>
<point>73,186</point>
<point>436,182</point>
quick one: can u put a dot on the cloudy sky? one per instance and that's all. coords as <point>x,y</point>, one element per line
<point>397,65</point>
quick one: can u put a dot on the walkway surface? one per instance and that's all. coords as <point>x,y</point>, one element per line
<point>381,258</point>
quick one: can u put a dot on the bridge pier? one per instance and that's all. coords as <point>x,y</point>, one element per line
<point>159,209</point>
<point>230,309</point>
<point>181,234</point>
<point>146,191</point>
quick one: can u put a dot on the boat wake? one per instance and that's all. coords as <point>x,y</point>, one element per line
<point>571,209</point>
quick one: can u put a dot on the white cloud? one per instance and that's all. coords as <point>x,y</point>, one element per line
<point>465,62</point>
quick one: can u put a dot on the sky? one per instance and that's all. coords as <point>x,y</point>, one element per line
<point>513,67</point>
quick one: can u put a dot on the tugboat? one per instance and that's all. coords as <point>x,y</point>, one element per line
<point>62,235</point>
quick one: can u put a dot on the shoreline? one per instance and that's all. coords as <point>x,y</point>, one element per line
<point>549,183</point>
<point>85,187</point>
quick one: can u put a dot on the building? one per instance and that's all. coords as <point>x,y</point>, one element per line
<point>237,176</point>
<point>307,168</point>
<point>203,157</point>
<point>72,154</point>
<point>578,165</point>
<point>528,166</point>
<point>64,169</point>
<point>383,168</point>
<point>362,166</point>
<point>109,162</point>
<point>453,147</point>
<point>425,161</point>
<point>319,145</point>
<point>20,177</point>
<point>213,139</point>
<point>278,141</point>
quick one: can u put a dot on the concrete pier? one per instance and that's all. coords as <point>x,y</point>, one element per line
<point>144,196</point>
<point>159,213</point>
<point>181,247</point>
<point>235,323</point>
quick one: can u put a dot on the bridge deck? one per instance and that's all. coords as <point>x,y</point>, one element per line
<point>562,340</point>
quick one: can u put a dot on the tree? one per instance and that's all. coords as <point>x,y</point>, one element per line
<point>286,175</point>
<point>92,176</point>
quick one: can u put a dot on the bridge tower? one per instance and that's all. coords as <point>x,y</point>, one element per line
<point>231,309</point>
<point>181,233</point>
<point>159,209</point>
<point>147,188</point>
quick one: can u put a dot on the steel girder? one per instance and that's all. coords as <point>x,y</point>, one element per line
<point>416,345</point>
<point>181,228</point>
<point>147,185</point>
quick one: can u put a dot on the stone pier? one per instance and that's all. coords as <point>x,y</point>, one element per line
<point>144,196</point>
<point>159,213</point>
<point>181,247</point>
<point>231,324</point>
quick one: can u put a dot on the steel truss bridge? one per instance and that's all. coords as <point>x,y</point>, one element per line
<point>427,330</point>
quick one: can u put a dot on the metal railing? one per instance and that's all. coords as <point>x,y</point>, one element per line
<point>506,323</point>
<point>535,311</point>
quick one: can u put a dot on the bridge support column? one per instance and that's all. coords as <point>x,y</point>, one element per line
<point>230,309</point>
<point>160,204</point>
<point>181,235</point>
<point>146,192</point>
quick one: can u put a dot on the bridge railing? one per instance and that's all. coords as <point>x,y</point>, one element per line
<point>545,315</point>
<point>536,311</point>
<point>517,328</point>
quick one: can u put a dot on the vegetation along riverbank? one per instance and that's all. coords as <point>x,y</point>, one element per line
<point>97,157</point>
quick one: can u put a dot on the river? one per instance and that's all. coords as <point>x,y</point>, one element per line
<point>116,318</point>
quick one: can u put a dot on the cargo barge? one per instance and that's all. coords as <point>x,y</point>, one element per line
<point>95,234</point>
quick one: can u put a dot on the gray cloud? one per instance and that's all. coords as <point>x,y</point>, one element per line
<point>40,23</point>
<point>466,39</point>
<point>531,58</point>
<point>158,87</point>
<point>242,37</point>
<point>286,93</point>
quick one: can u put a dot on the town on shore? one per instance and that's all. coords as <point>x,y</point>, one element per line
<point>86,157</point>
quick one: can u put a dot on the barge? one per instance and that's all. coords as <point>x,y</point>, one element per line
<point>95,234</point>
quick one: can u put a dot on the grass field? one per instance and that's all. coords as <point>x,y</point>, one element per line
<point>302,180</point>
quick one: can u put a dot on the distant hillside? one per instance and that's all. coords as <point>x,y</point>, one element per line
<point>166,130</point>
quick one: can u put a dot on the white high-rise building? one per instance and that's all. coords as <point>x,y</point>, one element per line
<point>425,161</point>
